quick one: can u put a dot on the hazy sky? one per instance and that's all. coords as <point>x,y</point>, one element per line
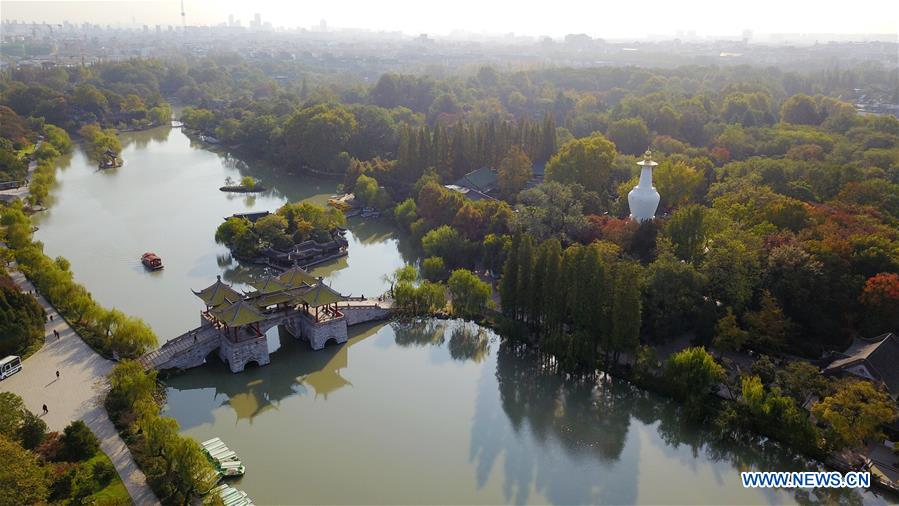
<point>599,18</point>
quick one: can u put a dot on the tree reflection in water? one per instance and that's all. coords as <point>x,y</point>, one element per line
<point>589,419</point>
<point>535,435</point>
<point>141,139</point>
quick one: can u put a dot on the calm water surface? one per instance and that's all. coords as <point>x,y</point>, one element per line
<point>423,412</point>
<point>165,199</point>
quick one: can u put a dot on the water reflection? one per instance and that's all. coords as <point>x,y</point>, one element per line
<point>591,422</point>
<point>442,411</point>
<point>295,370</point>
<point>470,342</point>
<point>141,139</point>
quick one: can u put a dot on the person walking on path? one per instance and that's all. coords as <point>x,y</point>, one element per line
<point>57,374</point>
<point>45,409</point>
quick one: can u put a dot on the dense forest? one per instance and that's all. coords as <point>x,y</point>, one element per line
<point>777,230</point>
<point>779,202</point>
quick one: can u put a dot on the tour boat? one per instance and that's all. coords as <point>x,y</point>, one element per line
<point>151,261</point>
<point>210,442</point>
<point>232,468</point>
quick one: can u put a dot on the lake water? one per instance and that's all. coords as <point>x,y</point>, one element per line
<point>404,413</point>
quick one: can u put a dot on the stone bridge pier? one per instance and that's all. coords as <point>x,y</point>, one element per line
<point>318,334</point>
<point>238,354</point>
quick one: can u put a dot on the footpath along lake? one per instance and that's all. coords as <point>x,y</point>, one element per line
<point>414,412</point>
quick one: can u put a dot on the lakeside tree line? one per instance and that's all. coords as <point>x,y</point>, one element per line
<point>777,229</point>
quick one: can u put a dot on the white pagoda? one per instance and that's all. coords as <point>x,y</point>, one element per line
<point>643,200</point>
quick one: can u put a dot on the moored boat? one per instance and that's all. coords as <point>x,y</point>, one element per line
<point>151,261</point>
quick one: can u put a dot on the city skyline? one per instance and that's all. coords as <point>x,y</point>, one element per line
<point>528,18</point>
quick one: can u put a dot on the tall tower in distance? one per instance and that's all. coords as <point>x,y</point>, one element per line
<point>643,200</point>
<point>183,16</point>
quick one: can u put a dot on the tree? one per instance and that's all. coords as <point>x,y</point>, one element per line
<point>248,182</point>
<point>677,183</point>
<point>625,310</point>
<point>132,338</point>
<point>22,481</point>
<point>470,295</point>
<point>880,298</point>
<point>855,412</point>
<point>405,213</point>
<point>551,210</point>
<point>672,296</point>
<point>32,431</point>
<point>768,326</point>
<point>79,443</point>
<point>508,287</point>
<point>514,171</point>
<point>366,190</point>
<point>692,374</point>
<point>630,135</point>
<point>433,269</point>
<point>21,321</point>
<point>586,161</point>
<point>12,412</point>
<point>190,470</point>
<point>688,230</point>
<point>802,381</point>
<point>129,383</point>
<point>732,268</point>
<point>728,333</point>
<point>237,235</point>
<point>800,109</point>
<point>272,229</point>
<point>447,243</point>
<point>315,135</point>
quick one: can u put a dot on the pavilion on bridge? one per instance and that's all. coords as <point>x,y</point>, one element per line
<point>239,315</point>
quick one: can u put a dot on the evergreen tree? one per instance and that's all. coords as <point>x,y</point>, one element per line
<point>508,287</point>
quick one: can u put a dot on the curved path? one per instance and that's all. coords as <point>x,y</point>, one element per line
<point>77,394</point>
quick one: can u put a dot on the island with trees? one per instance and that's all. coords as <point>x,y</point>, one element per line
<point>301,234</point>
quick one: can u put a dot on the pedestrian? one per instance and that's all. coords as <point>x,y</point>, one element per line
<point>45,409</point>
<point>57,374</point>
<point>51,317</point>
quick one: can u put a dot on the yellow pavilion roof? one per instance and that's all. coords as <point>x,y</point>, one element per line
<point>217,293</point>
<point>238,314</point>
<point>297,277</point>
<point>319,295</point>
<point>268,285</point>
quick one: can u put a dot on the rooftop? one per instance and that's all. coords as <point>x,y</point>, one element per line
<point>880,356</point>
<point>217,293</point>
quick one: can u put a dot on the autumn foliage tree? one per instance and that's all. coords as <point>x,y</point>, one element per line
<point>880,298</point>
<point>514,171</point>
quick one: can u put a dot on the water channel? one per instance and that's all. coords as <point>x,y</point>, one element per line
<point>405,413</point>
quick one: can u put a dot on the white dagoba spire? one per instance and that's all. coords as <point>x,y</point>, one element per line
<point>643,200</point>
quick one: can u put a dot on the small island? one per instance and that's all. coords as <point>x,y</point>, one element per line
<point>102,145</point>
<point>247,185</point>
<point>301,234</point>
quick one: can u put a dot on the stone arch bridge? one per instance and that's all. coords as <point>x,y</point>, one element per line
<point>235,323</point>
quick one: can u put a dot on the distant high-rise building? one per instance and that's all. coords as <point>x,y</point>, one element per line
<point>257,21</point>
<point>230,19</point>
<point>323,25</point>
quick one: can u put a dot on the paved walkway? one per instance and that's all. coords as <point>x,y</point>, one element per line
<point>77,394</point>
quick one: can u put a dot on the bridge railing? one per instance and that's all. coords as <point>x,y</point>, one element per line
<point>178,345</point>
